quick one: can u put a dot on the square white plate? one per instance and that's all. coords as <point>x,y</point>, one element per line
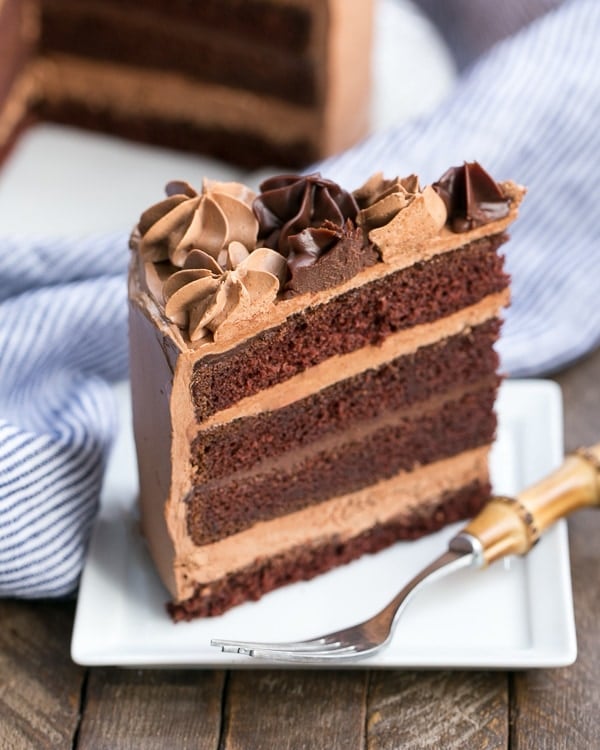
<point>518,613</point>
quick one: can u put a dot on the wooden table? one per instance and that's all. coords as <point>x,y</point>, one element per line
<point>46,701</point>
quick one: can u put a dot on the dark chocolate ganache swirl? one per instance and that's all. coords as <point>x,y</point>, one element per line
<point>290,205</point>
<point>472,197</point>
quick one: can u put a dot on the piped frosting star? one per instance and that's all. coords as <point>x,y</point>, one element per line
<point>187,220</point>
<point>207,298</point>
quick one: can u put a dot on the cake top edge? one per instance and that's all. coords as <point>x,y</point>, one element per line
<point>224,257</point>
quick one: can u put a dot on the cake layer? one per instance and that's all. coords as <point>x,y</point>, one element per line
<point>305,561</point>
<point>342,367</point>
<point>362,316</point>
<point>342,517</point>
<point>167,108</point>
<point>395,385</point>
<point>249,150</point>
<point>370,452</point>
<point>201,46</point>
<point>285,24</point>
<point>249,81</point>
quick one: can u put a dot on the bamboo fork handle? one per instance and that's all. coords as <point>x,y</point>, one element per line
<point>508,526</point>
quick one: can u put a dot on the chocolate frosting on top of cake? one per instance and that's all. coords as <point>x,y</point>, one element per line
<point>206,298</point>
<point>472,197</point>
<point>202,259</point>
<point>308,246</point>
<point>291,204</point>
<point>379,200</point>
<point>344,254</point>
<point>397,215</point>
<point>208,221</point>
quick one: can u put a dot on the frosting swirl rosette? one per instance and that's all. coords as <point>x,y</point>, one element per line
<point>397,215</point>
<point>212,297</point>
<point>296,213</point>
<point>472,197</point>
<point>380,200</point>
<point>187,220</point>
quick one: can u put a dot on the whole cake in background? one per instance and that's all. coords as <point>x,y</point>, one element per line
<point>255,82</point>
<point>313,372</point>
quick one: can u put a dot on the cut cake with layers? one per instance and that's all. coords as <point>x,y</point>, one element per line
<point>313,373</point>
<point>255,82</point>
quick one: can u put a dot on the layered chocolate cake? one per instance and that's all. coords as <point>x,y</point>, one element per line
<point>252,81</point>
<point>313,372</point>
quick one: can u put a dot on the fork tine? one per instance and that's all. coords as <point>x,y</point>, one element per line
<point>297,651</point>
<point>306,657</point>
<point>316,644</point>
<point>360,639</point>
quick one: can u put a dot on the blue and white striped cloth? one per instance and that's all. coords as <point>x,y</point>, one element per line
<point>528,110</point>
<point>63,308</point>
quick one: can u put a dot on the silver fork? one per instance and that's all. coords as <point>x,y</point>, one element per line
<point>358,640</point>
<point>505,526</point>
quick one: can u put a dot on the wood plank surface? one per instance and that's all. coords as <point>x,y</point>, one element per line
<point>295,710</point>
<point>560,708</point>
<point>40,686</point>
<point>152,709</point>
<point>439,709</point>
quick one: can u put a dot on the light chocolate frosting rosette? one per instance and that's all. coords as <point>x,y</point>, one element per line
<point>206,298</point>
<point>185,221</point>
<point>398,209</point>
<point>201,261</point>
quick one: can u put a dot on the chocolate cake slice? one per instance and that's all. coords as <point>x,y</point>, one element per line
<point>313,372</point>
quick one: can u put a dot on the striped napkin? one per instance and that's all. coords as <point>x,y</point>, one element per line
<point>528,110</point>
<point>63,339</point>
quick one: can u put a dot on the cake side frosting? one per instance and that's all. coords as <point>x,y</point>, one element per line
<point>348,82</point>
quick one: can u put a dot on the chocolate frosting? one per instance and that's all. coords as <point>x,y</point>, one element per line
<point>187,220</point>
<point>379,199</point>
<point>201,264</point>
<point>398,216</point>
<point>207,298</point>
<point>289,205</point>
<point>472,197</point>
<point>346,254</point>
<point>308,246</point>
